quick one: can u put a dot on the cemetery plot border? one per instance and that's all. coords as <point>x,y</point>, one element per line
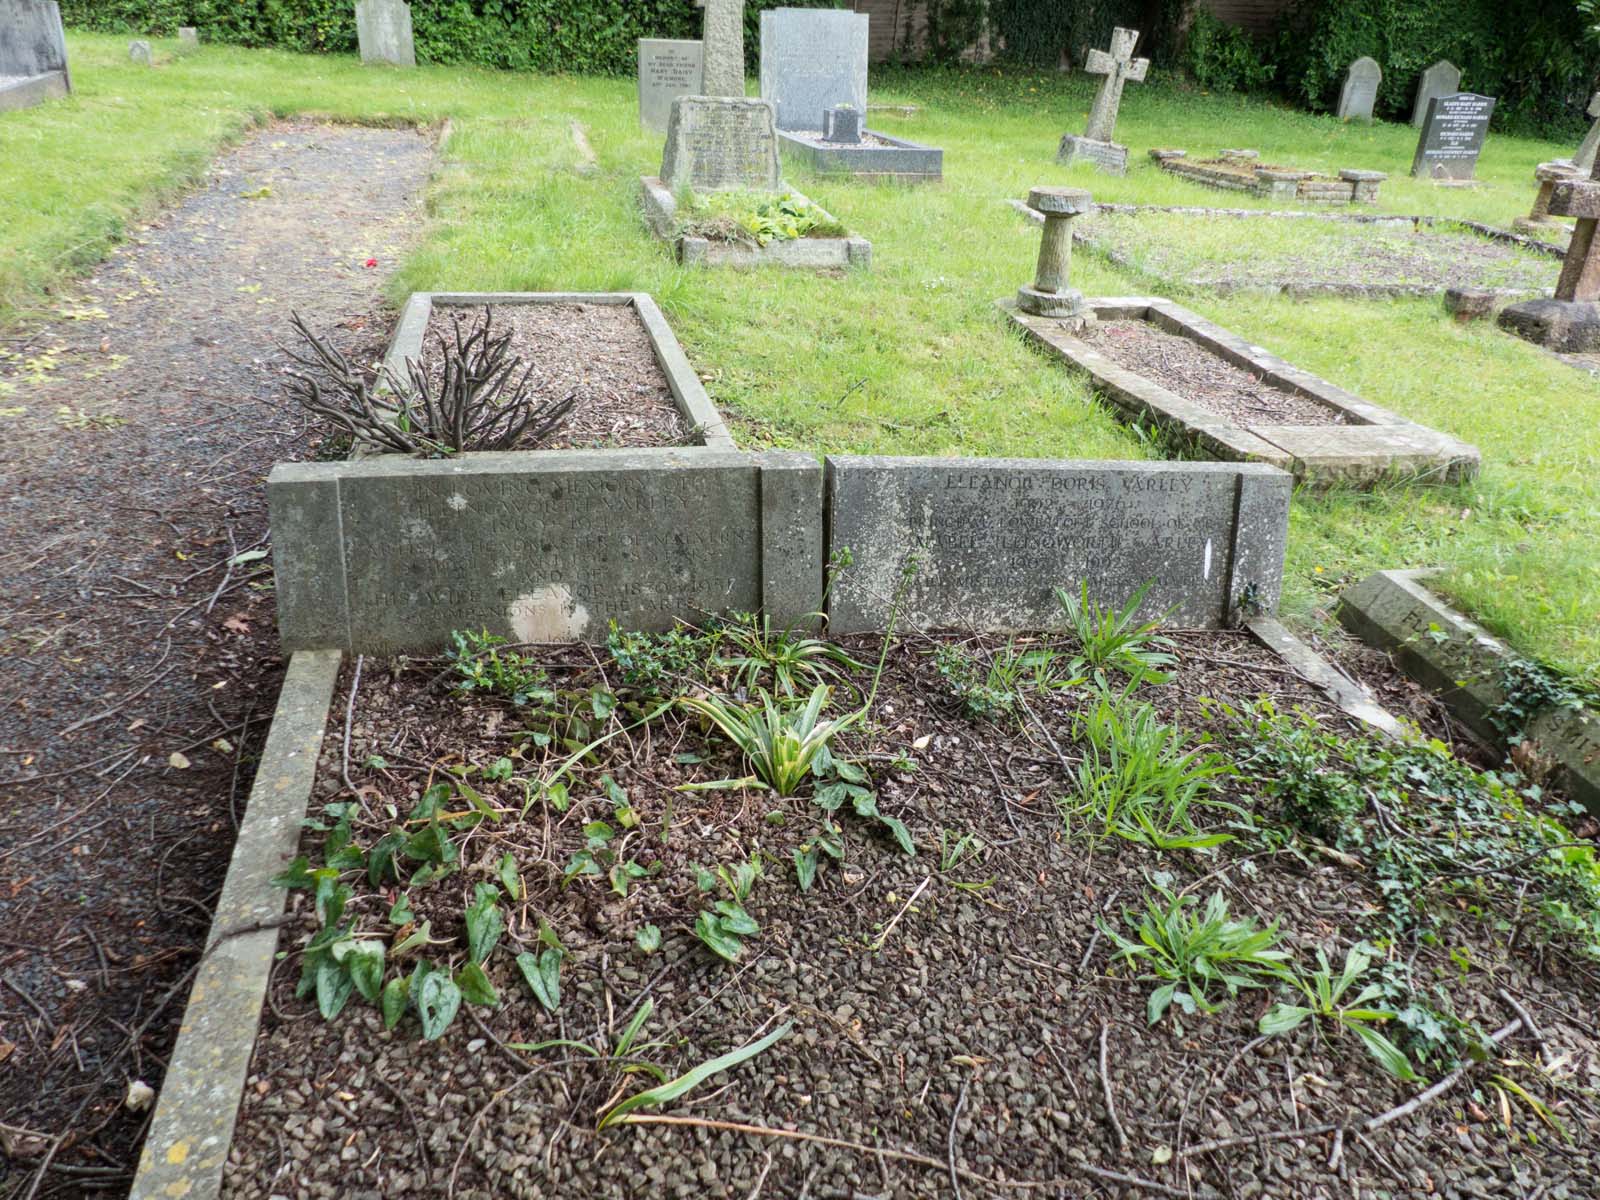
<point>883,159</point>
<point>1375,445</point>
<point>1240,171</point>
<point>804,253</point>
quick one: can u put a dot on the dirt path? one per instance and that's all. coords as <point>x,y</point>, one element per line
<point>138,658</point>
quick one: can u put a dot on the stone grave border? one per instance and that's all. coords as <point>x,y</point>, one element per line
<point>901,161</point>
<point>1359,291</point>
<point>1459,660</point>
<point>1286,183</point>
<point>810,254</point>
<point>1378,446</point>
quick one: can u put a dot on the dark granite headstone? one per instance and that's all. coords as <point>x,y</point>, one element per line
<point>1453,132</point>
<point>842,124</point>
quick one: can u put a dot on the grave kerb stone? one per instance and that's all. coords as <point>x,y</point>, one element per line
<point>1360,90</point>
<point>1441,79</point>
<point>383,32</point>
<point>720,143</point>
<point>812,60</point>
<point>668,68</point>
<point>1452,136</point>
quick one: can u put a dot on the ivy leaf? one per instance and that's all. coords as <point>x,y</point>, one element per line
<point>380,860</point>
<point>509,879</point>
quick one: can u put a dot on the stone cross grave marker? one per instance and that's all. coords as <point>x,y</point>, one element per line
<point>1360,90</point>
<point>1441,79</point>
<point>668,68</point>
<point>724,47</point>
<point>1117,67</point>
<point>812,60</point>
<point>1453,132</point>
<point>383,30</point>
<point>1584,159</point>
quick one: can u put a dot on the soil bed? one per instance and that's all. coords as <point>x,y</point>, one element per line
<point>1188,369</point>
<point>599,351</point>
<point>946,1006</point>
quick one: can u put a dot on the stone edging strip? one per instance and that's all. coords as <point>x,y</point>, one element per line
<point>1351,697</point>
<point>192,1129</point>
<point>1457,658</point>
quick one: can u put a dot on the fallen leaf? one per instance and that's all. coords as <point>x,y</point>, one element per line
<point>237,623</point>
<point>178,760</point>
<point>139,1096</point>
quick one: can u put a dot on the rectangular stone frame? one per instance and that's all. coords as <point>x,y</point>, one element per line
<point>901,161</point>
<point>1358,188</point>
<point>660,208</point>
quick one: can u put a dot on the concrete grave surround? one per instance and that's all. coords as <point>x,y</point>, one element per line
<point>1453,132</point>
<point>812,59</point>
<point>1463,662</point>
<point>1117,67</point>
<point>1377,446</point>
<point>668,69</point>
<point>1441,79</point>
<point>660,208</point>
<point>1360,90</point>
<point>724,47</point>
<point>720,143</point>
<point>883,159</point>
<point>383,31</point>
<point>993,538</point>
<point>33,54</point>
<point>1287,184</point>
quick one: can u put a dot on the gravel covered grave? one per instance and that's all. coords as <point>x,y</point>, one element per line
<point>949,1021</point>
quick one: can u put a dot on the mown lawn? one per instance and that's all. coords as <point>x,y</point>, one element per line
<point>909,358</point>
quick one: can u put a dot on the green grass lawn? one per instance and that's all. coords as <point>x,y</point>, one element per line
<point>909,358</point>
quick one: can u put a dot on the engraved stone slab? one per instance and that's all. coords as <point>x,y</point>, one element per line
<point>996,537</point>
<point>383,31</point>
<point>812,59</point>
<point>1360,90</point>
<point>1453,132</point>
<point>668,68</point>
<point>188,35</point>
<point>33,54</point>
<point>720,143</point>
<point>1110,157</point>
<point>389,554</point>
<point>1441,79</point>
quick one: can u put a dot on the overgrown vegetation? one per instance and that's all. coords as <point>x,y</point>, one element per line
<point>755,217</point>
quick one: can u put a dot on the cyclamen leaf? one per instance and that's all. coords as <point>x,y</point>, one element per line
<point>543,973</point>
<point>365,964</point>
<point>648,939</point>
<point>438,1001</point>
<point>334,986</point>
<point>708,928</point>
<point>736,920</point>
<point>484,922</point>
<point>805,868</point>
<point>395,994</point>
<point>475,986</point>
<point>901,834</point>
<point>296,875</point>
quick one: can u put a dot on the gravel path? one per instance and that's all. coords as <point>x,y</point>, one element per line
<point>136,613</point>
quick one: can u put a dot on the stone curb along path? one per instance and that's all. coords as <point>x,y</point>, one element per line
<point>1465,664</point>
<point>187,1146</point>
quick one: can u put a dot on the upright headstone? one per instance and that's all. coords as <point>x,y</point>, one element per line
<point>1571,321</point>
<point>812,59</point>
<point>33,53</point>
<point>1441,79</point>
<point>1452,135</point>
<point>383,30</point>
<point>1360,90</point>
<point>188,35</point>
<point>1118,66</point>
<point>720,143</point>
<point>1584,159</point>
<point>668,69</point>
<point>724,48</point>
<point>139,52</point>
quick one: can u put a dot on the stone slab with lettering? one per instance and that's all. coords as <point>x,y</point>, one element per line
<point>1453,132</point>
<point>812,59</point>
<point>668,68</point>
<point>1441,79</point>
<point>33,53</point>
<point>1360,90</point>
<point>720,143</point>
<point>383,30</point>
<point>994,538</point>
<point>389,554</point>
<point>1110,157</point>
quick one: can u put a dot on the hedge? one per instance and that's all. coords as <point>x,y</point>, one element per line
<point>582,36</point>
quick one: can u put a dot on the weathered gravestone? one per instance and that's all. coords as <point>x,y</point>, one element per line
<point>1360,90</point>
<point>139,52</point>
<point>668,68</point>
<point>989,540</point>
<point>724,47</point>
<point>1452,136</point>
<point>812,60</point>
<point>383,31</point>
<point>1441,79</point>
<point>1571,321</point>
<point>1118,66</point>
<point>188,35</point>
<point>1584,159</point>
<point>720,143</point>
<point>33,53</point>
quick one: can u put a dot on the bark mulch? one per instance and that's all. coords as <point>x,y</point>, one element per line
<point>601,353</point>
<point>1188,369</point>
<point>136,612</point>
<point>957,1027</point>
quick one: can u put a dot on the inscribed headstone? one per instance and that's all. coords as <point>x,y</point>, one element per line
<point>188,35</point>
<point>383,30</point>
<point>724,47</point>
<point>32,45</point>
<point>1441,79</point>
<point>720,143</point>
<point>813,59</point>
<point>1452,135</point>
<point>668,68</point>
<point>1360,90</point>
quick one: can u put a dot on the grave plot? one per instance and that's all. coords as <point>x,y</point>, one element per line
<point>867,154</point>
<point>751,229</point>
<point>1310,255</point>
<point>1243,171</point>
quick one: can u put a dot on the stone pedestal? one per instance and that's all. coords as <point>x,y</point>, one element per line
<point>1049,295</point>
<point>1111,157</point>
